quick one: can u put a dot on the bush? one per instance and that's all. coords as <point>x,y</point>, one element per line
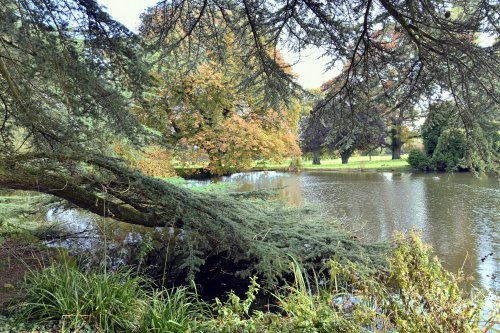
<point>418,160</point>
<point>295,164</point>
<point>427,298</point>
<point>417,295</point>
<point>450,150</point>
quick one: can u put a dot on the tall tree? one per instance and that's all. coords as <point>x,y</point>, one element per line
<point>69,77</point>
<point>313,134</point>
<point>65,69</point>
<point>345,124</point>
<point>439,117</point>
<point>209,121</point>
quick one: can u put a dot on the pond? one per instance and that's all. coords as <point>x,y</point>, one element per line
<point>459,214</point>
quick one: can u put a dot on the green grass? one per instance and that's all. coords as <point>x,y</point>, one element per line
<point>109,301</point>
<point>355,163</point>
<point>173,311</point>
<point>22,214</point>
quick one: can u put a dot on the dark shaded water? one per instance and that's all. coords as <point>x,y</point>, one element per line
<point>459,214</point>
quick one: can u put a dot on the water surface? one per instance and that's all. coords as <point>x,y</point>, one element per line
<point>459,214</point>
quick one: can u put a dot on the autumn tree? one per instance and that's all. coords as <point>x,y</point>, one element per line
<point>208,103</point>
<point>207,119</point>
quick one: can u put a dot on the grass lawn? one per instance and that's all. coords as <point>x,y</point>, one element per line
<point>355,163</point>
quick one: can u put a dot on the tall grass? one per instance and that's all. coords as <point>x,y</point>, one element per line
<point>172,311</point>
<point>105,301</point>
<point>111,302</point>
<point>417,296</point>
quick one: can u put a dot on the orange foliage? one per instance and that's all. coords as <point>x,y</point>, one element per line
<point>214,124</point>
<point>154,161</point>
<point>235,143</point>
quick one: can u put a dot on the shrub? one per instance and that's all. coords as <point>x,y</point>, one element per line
<point>450,150</point>
<point>418,160</point>
<point>427,298</point>
<point>295,164</point>
<point>417,295</point>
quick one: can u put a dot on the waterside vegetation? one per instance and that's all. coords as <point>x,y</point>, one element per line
<point>415,294</point>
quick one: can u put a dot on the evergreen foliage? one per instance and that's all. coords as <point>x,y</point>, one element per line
<point>439,117</point>
<point>450,151</point>
<point>418,160</point>
<point>444,139</point>
<point>70,75</point>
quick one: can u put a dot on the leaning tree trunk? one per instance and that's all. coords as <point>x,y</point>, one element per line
<point>225,230</point>
<point>316,158</point>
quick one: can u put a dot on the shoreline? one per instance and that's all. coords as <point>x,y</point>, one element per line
<point>201,174</point>
<point>286,169</point>
<point>358,164</point>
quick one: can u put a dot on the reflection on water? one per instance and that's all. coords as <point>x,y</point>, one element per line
<point>100,239</point>
<point>459,214</point>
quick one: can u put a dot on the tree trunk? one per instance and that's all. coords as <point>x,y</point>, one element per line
<point>396,152</point>
<point>396,142</point>
<point>316,158</point>
<point>345,156</point>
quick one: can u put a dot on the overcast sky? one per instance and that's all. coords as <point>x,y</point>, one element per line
<point>310,68</point>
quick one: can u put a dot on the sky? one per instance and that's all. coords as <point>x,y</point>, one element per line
<point>309,67</point>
